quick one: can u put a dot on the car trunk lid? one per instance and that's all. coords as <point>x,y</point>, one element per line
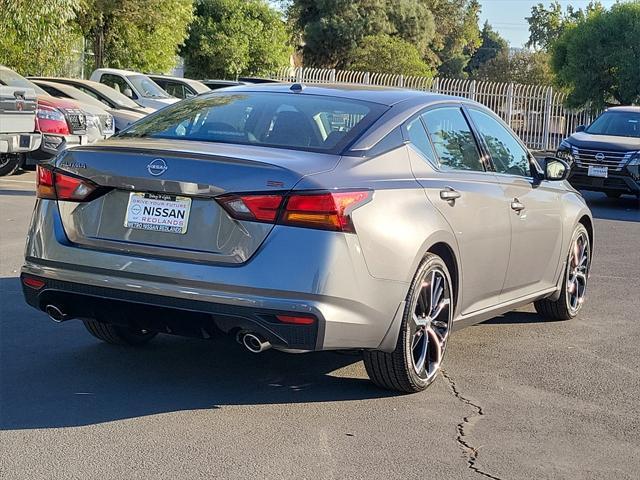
<point>186,176</point>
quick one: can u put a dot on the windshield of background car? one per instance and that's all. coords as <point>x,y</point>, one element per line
<point>283,120</point>
<point>10,78</point>
<point>112,94</point>
<point>619,124</point>
<point>147,87</point>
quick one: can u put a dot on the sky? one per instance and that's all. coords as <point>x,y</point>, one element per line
<point>508,16</point>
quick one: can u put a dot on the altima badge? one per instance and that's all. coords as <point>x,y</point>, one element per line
<point>157,167</point>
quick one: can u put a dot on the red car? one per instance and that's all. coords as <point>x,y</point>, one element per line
<point>62,122</point>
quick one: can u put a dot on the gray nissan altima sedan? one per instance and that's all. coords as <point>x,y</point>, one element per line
<point>309,218</point>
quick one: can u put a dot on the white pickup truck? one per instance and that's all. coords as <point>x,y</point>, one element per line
<point>17,126</point>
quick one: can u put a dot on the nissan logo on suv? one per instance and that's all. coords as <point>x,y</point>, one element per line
<point>600,157</point>
<point>157,167</point>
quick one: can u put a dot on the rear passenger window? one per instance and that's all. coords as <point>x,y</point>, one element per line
<point>420,140</point>
<point>452,139</point>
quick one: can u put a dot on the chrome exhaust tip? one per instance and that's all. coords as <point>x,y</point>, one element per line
<point>56,314</point>
<point>255,343</point>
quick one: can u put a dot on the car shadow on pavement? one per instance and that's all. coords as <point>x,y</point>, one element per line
<point>516,318</point>
<point>57,375</point>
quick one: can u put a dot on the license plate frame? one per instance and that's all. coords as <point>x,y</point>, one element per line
<point>142,212</point>
<point>598,171</point>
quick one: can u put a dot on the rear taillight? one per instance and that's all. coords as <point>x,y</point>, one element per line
<point>322,210</point>
<point>328,211</point>
<point>260,208</point>
<point>51,120</point>
<point>58,186</point>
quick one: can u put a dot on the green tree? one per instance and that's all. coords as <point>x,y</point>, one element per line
<point>235,37</point>
<point>526,67</point>
<point>332,29</point>
<point>384,54</point>
<point>457,34</point>
<point>492,45</point>
<point>37,36</point>
<point>546,24</point>
<point>596,60</point>
<point>138,34</point>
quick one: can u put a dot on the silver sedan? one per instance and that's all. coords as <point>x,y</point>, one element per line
<point>309,218</point>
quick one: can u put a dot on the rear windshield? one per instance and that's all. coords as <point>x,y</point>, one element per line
<point>283,120</point>
<point>10,78</point>
<point>618,124</point>
<point>147,87</point>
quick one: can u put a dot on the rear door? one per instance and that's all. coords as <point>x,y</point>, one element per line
<point>447,162</point>
<point>534,209</point>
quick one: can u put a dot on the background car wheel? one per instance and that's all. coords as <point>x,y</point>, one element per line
<point>117,334</point>
<point>576,276</point>
<point>8,164</point>
<point>427,321</point>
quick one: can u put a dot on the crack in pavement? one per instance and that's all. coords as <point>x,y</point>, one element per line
<point>470,452</point>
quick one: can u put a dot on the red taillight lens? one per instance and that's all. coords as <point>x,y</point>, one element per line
<point>261,208</point>
<point>58,186</point>
<point>328,211</point>
<point>296,320</point>
<point>34,283</point>
<point>51,120</point>
<point>44,183</point>
<point>325,210</point>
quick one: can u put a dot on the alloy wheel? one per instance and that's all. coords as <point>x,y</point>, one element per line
<point>431,323</point>
<point>578,272</point>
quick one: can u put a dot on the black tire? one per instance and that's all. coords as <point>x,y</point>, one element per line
<point>397,370</point>
<point>561,308</point>
<point>118,334</point>
<point>613,195</point>
<point>8,164</point>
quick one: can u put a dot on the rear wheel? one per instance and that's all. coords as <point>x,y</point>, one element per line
<point>427,321</point>
<point>8,164</point>
<point>118,334</point>
<point>576,276</point>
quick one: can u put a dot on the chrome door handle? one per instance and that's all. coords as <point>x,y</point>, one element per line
<point>449,194</point>
<point>516,205</point>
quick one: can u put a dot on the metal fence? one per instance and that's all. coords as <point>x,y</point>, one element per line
<point>535,112</point>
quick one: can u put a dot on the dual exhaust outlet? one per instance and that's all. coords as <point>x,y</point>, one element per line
<point>253,342</point>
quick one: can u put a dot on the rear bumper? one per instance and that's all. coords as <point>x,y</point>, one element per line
<point>51,145</point>
<point>19,142</point>
<point>617,182</point>
<point>172,315</point>
<point>303,271</point>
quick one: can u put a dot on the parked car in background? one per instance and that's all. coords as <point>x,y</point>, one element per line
<point>107,95</point>
<point>307,219</point>
<point>605,156</point>
<point>135,85</point>
<point>17,126</point>
<point>112,120</point>
<point>62,122</point>
<point>179,87</point>
<point>216,84</point>
<point>257,80</point>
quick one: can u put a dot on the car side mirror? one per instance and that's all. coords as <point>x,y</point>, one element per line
<point>580,128</point>
<point>555,169</point>
<point>127,92</point>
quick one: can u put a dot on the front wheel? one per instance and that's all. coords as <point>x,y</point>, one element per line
<point>426,324</point>
<point>574,286</point>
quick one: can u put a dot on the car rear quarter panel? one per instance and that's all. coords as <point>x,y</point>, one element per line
<point>399,225</point>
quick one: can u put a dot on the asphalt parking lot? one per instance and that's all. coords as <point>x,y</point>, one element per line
<point>520,398</point>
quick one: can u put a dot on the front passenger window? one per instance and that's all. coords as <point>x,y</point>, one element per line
<point>452,139</point>
<point>506,152</point>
